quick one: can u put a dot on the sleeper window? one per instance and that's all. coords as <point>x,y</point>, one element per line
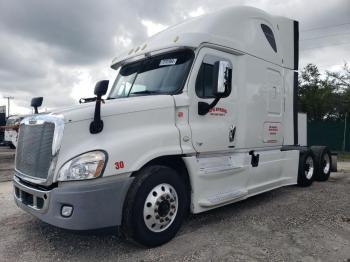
<point>269,36</point>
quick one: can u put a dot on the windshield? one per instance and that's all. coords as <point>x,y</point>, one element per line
<point>162,74</point>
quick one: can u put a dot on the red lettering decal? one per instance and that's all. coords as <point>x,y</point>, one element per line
<point>119,164</point>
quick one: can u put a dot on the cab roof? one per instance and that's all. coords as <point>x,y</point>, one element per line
<point>237,28</point>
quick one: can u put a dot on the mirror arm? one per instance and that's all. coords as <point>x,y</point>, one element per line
<point>87,100</point>
<point>203,107</point>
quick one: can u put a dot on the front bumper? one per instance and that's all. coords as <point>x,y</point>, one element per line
<point>96,204</point>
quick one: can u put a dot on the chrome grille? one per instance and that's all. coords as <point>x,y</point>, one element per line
<point>34,149</point>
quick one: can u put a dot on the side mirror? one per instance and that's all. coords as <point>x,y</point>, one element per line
<point>96,126</point>
<point>101,88</point>
<point>221,84</point>
<point>221,78</point>
<point>36,102</point>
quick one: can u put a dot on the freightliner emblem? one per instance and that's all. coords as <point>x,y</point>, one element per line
<point>32,121</point>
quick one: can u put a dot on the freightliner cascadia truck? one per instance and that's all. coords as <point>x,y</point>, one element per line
<point>199,116</point>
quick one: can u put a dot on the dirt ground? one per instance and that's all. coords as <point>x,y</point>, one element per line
<point>287,224</point>
<point>7,156</point>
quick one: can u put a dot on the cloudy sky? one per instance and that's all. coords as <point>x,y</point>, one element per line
<point>59,49</point>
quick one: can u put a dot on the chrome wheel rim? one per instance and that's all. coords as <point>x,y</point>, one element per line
<point>309,167</point>
<point>160,208</point>
<point>326,163</point>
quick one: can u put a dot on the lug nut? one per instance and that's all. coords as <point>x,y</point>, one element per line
<point>157,217</point>
<point>161,221</point>
<point>171,213</point>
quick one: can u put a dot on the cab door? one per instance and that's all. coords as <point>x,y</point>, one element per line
<point>215,131</point>
<point>220,174</point>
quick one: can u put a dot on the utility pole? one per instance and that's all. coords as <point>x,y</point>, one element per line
<point>344,137</point>
<point>8,104</point>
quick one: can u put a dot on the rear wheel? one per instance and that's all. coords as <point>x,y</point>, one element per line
<point>306,173</point>
<point>155,206</point>
<point>323,162</point>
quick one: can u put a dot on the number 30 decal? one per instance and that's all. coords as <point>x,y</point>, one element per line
<point>119,164</point>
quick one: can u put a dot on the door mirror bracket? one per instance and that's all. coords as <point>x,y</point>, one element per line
<point>204,108</point>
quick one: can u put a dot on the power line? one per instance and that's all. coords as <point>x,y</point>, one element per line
<point>318,47</point>
<point>324,27</point>
<point>325,36</point>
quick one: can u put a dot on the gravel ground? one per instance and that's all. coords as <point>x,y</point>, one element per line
<point>287,224</point>
<point>7,157</point>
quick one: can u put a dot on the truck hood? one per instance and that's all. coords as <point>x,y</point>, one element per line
<point>115,106</point>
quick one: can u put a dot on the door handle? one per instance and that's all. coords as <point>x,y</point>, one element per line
<point>232,132</point>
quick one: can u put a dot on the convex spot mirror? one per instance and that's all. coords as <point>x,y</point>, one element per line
<point>221,78</point>
<point>36,102</point>
<point>101,88</point>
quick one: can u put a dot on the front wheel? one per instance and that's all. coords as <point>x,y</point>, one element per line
<point>155,206</point>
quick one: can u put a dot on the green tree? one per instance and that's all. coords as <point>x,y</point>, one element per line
<point>341,81</point>
<point>317,96</point>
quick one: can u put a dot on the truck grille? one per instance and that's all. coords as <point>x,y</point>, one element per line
<point>34,149</point>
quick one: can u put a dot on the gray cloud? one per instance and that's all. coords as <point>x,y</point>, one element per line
<point>46,47</point>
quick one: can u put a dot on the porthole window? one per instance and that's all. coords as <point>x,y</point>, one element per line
<point>269,36</point>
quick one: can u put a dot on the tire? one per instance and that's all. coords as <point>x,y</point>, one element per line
<point>323,162</point>
<point>306,172</point>
<point>149,216</point>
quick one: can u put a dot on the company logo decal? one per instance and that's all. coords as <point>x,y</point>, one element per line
<point>218,111</point>
<point>273,129</point>
<point>272,132</point>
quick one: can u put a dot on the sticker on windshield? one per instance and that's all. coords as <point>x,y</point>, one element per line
<point>166,62</point>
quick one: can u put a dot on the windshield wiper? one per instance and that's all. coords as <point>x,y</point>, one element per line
<point>145,92</point>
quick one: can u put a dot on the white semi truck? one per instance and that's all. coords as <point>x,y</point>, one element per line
<point>201,115</point>
<point>11,134</point>
<point>13,122</point>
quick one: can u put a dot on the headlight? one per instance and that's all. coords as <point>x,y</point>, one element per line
<point>86,166</point>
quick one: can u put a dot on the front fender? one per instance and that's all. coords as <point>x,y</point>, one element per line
<point>134,138</point>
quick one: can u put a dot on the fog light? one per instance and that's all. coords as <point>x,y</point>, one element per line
<point>66,211</point>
